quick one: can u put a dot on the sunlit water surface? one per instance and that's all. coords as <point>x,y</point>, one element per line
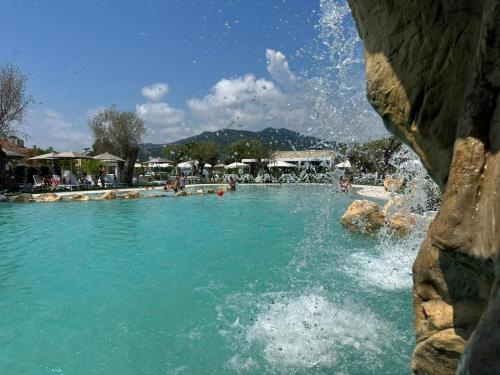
<point>264,280</point>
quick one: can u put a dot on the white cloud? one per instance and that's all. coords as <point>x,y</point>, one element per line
<point>250,103</point>
<point>51,128</point>
<point>155,91</point>
<point>277,66</point>
<point>164,123</point>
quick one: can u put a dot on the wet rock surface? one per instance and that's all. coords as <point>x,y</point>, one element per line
<point>48,197</point>
<point>363,216</point>
<point>433,75</point>
<point>22,198</point>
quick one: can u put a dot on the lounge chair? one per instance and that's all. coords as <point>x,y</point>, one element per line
<point>38,182</point>
<point>111,181</point>
<point>71,181</point>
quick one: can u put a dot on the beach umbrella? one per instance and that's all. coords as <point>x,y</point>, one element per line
<point>70,155</point>
<point>156,161</point>
<point>50,156</point>
<point>280,164</point>
<point>344,165</point>
<point>186,165</point>
<point>207,165</point>
<point>107,157</point>
<point>220,166</point>
<point>137,165</point>
<point>236,165</point>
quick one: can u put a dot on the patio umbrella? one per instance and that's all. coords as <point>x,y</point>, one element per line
<point>344,164</point>
<point>280,164</point>
<point>70,155</point>
<point>107,157</point>
<point>50,156</point>
<point>236,165</point>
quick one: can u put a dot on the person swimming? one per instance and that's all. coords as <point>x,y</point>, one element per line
<point>232,184</point>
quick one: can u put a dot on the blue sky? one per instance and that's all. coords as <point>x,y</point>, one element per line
<point>216,63</point>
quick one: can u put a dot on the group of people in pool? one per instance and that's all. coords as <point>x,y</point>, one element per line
<point>179,184</point>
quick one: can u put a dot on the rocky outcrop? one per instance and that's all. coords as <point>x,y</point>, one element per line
<point>80,197</point>
<point>393,185</point>
<point>363,216</point>
<point>22,198</point>
<point>109,195</point>
<point>132,195</point>
<point>48,197</point>
<point>433,75</point>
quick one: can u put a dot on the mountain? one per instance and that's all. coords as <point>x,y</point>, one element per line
<point>277,139</point>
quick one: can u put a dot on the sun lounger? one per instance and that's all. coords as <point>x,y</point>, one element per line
<point>38,182</point>
<point>70,181</point>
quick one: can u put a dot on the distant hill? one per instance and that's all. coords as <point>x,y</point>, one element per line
<point>277,139</point>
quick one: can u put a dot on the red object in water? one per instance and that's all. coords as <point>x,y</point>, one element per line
<point>220,193</point>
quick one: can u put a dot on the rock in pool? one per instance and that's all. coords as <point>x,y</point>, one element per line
<point>132,195</point>
<point>80,197</point>
<point>363,216</point>
<point>22,198</point>
<point>48,197</point>
<point>109,195</point>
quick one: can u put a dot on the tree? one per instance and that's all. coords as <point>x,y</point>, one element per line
<point>203,152</point>
<point>13,99</point>
<point>374,156</point>
<point>13,104</point>
<point>246,149</point>
<point>120,134</point>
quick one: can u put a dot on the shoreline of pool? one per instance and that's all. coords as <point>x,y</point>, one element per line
<point>369,191</point>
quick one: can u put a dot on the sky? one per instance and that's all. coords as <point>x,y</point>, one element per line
<point>183,66</point>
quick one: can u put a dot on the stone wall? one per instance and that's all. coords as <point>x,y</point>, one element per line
<point>433,74</point>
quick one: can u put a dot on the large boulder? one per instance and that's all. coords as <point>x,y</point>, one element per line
<point>80,197</point>
<point>132,195</point>
<point>48,197</point>
<point>393,185</point>
<point>109,195</point>
<point>22,198</point>
<point>433,75</point>
<point>363,216</point>
<point>3,198</point>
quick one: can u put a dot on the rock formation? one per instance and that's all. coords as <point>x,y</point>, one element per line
<point>80,197</point>
<point>109,195</point>
<point>48,197</point>
<point>433,74</point>
<point>363,216</point>
<point>22,198</point>
<point>134,194</point>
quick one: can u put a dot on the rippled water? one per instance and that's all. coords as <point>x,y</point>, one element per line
<point>261,281</point>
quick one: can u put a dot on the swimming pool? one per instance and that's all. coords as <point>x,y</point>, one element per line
<point>264,280</point>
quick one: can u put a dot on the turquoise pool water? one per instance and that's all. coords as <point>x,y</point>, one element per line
<point>264,280</point>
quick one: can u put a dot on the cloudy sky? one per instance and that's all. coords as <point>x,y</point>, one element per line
<point>183,66</point>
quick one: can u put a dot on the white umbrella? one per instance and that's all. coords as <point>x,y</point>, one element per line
<point>159,161</point>
<point>50,156</point>
<point>344,164</point>
<point>207,165</point>
<point>72,155</point>
<point>280,164</point>
<point>220,166</point>
<point>236,165</point>
<point>186,164</point>
<point>108,157</point>
<point>137,165</point>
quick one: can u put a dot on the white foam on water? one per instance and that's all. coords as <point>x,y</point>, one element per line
<point>308,331</point>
